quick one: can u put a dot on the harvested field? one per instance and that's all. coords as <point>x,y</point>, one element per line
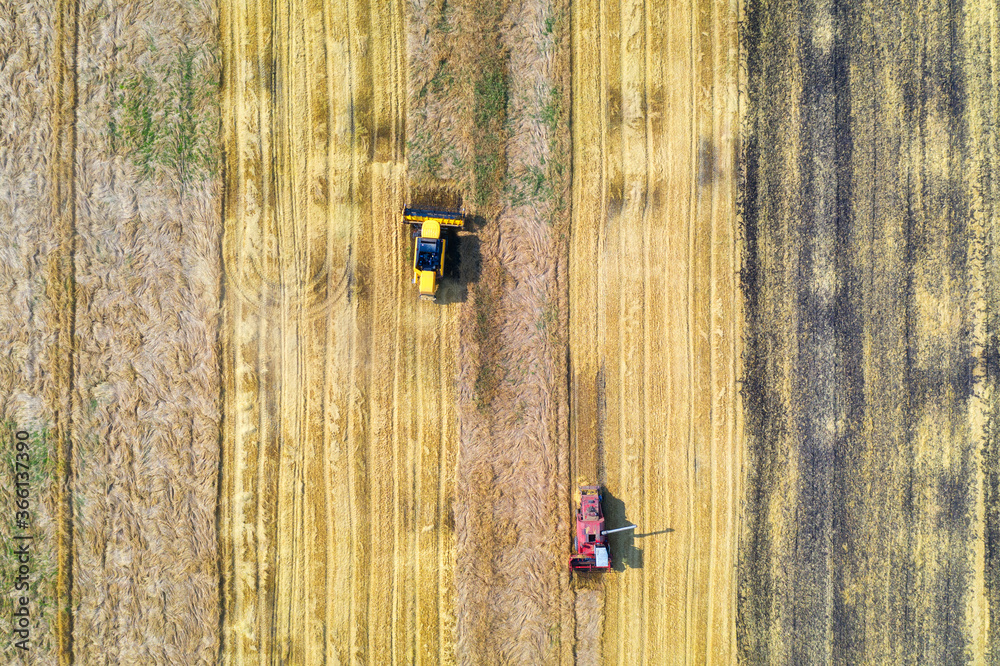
<point>654,319</point>
<point>340,436</point>
<point>871,211</point>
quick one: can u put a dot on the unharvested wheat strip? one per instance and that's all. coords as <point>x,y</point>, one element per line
<point>342,530</point>
<point>400,87</point>
<point>33,303</point>
<point>584,254</point>
<point>584,250</point>
<point>558,138</point>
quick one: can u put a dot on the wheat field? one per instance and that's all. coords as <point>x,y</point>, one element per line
<point>733,261</point>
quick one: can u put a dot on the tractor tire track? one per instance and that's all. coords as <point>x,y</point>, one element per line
<point>37,112</point>
<point>62,294</point>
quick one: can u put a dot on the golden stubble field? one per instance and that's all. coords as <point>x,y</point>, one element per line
<point>340,433</point>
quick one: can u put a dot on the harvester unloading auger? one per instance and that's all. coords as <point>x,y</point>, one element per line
<point>429,246</point>
<point>591,549</point>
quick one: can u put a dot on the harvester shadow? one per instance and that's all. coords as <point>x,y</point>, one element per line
<point>624,552</point>
<point>462,263</point>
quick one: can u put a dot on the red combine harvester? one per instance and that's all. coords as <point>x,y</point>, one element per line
<point>591,544</point>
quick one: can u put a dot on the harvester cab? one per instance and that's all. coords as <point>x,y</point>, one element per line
<point>429,246</point>
<point>591,549</point>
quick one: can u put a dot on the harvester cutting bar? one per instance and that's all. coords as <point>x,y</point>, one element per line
<point>619,529</point>
<point>444,218</point>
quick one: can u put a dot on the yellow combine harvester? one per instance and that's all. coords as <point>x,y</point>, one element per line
<point>429,245</point>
